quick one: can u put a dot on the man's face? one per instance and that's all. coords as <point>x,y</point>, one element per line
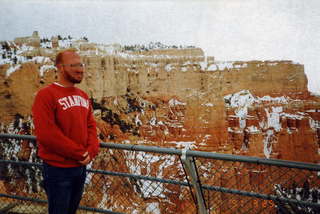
<point>72,69</point>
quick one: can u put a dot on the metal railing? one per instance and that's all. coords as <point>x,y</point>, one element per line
<point>133,179</point>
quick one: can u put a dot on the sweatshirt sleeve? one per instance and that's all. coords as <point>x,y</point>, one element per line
<point>48,133</point>
<point>93,143</point>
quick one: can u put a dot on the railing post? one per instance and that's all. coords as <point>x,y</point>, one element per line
<point>191,172</point>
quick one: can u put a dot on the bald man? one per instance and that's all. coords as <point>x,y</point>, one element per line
<point>66,134</point>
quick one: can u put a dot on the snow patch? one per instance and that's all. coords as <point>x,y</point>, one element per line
<point>292,116</point>
<point>207,104</point>
<point>184,145</point>
<point>267,146</point>
<point>273,118</point>
<point>203,65</point>
<point>12,69</point>
<point>253,129</point>
<point>138,121</point>
<point>153,208</point>
<point>317,94</point>
<point>314,124</point>
<point>224,65</point>
<point>312,110</point>
<point>44,68</point>
<point>282,99</point>
<point>174,102</point>
<point>46,44</point>
<point>65,43</point>
<point>272,63</point>
<point>168,67</point>
<point>241,101</point>
<point>239,66</point>
<point>153,121</point>
<point>212,67</point>
<point>184,69</point>
<point>41,59</point>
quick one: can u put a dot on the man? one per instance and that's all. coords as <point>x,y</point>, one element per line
<point>66,134</point>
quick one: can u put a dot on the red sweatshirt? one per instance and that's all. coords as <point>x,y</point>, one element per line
<point>64,125</point>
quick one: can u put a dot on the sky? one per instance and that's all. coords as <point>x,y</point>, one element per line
<point>229,30</point>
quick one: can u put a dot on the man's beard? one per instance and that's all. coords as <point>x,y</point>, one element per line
<point>71,78</point>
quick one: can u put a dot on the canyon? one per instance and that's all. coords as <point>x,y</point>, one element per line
<point>170,97</point>
<point>166,96</point>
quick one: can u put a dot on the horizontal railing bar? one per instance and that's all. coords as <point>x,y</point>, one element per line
<point>131,147</point>
<point>258,195</point>
<point>36,200</point>
<point>98,210</point>
<point>22,198</point>
<point>18,136</point>
<point>248,159</point>
<point>21,163</point>
<point>199,154</point>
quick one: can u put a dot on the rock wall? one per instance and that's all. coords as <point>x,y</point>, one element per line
<point>189,95</point>
<point>174,98</point>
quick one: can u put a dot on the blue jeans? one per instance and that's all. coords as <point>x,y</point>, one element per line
<point>64,188</point>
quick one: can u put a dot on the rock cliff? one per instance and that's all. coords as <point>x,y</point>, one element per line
<point>166,96</point>
<point>173,97</point>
